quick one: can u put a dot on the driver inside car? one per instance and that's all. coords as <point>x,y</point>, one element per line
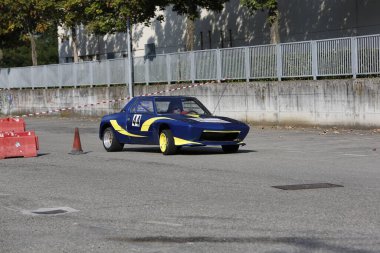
<point>176,111</point>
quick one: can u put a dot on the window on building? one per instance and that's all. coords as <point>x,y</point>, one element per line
<point>150,51</point>
<point>110,56</point>
<point>202,41</point>
<point>69,59</point>
<point>230,32</point>
<point>221,39</point>
<point>209,39</point>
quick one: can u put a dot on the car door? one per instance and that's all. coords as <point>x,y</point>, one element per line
<point>140,112</point>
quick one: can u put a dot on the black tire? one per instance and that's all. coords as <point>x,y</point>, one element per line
<point>110,143</point>
<point>166,142</point>
<point>230,148</point>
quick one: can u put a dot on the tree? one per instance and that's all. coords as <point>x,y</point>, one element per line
<point>72,14</point>
<point>273,15</point>
<point>8,40</point>
<point>16,53</point>
<point>191,10</point>
<point>110,16</point>
<point>29,18</point>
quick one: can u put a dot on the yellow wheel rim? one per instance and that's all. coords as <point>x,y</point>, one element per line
<point>163,142</point>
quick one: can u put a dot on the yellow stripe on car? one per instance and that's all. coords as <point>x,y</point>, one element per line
<point>193,115</point>
<point>122,131</point>
<point>180,142</point>
<point>145,127</point>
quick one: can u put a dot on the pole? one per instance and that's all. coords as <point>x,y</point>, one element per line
<point>130,82</point>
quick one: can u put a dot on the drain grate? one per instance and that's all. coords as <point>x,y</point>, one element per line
<point>306,186</point>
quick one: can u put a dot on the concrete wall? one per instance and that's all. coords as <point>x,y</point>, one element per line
<point>344,102</point>
<point>299,20</point>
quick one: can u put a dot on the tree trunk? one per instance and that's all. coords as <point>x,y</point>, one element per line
<point>274,22</point>
<point>34,49</point>
<point>190,33</point>
<point>74,43</point>
<point>275,32</point>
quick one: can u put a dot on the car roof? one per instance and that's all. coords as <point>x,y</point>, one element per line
<point>164,97</point>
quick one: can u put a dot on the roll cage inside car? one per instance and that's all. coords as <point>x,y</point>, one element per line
<point>167,105</point>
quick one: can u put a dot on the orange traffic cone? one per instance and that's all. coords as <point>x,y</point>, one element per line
<point>77,146</point>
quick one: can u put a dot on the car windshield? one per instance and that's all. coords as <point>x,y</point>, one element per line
<point>177,105</point>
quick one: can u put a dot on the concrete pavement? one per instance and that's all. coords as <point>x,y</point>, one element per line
<point>200,200</point>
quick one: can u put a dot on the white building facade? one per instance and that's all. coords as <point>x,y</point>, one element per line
<point>299,20</point>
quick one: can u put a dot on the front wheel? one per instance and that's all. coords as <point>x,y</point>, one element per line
<point>167,145</point>
<point>110,143</point>
<point>230,148</point>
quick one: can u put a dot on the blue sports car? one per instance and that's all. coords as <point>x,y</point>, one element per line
<point>170,122</point>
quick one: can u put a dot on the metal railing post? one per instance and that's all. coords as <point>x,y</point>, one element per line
<point>279,61</point>
<point>218,65</point>
<point>7,83</point>
<point>45,77</point>
<point>126,70</point>
<point>378,59</point>
<point>108,73</point>
<point>314,59</point>
<point>130,60</point>
<point>75,72</point>
<point>354,57</point>
<point>91,73</point>
<point>31,77</point>
<point>192,67</point>
<point>60,81</point>
<point>247,64</point>
<point>168,69</point>
<point>146,64</point>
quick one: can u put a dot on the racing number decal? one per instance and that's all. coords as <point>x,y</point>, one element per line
<point>136,120</point>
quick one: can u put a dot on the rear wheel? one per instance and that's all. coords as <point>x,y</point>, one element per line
<point>230,148</point>
<point>167,145</point>
<point>110,143</point>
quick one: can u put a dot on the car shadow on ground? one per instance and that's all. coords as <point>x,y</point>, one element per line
<point>42,154</point>
<point>187,150</point>
<point>303,244</point>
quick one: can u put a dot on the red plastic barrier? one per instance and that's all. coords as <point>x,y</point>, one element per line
<point>12,125</point>
<point>18,144</point>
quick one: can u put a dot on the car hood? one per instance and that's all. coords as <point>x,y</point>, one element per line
<point>194,119</point>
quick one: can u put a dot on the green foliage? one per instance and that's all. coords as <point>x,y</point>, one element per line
<point>26,20</point>
<point>255,5</point>
<point>270,5</point>
<point>73,12</point>
<point>47,47</point>
<point>23,20</point>
<point>109,16</point>
<point>16,53</point>
<point>191,8</point>
<point>26,16</point>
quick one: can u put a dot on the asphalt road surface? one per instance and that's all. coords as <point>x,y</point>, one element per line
<point>200,200</point>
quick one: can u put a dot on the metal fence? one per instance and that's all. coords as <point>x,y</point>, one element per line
<point>334,57</point>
